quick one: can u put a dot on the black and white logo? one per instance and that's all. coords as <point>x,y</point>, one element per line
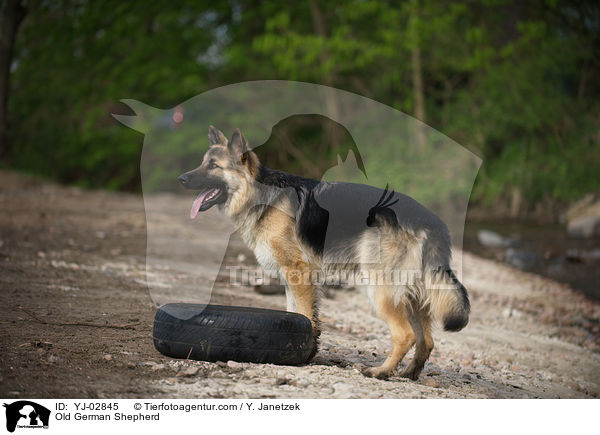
<point>26,414</point>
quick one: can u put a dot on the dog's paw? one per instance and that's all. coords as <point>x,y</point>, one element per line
<point>315,348</point>
<point>376,372</point>
<point>411,372</point>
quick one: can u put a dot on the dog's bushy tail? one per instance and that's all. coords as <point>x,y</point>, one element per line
<point>448,299</point>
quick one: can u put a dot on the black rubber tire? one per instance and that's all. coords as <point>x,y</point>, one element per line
<point>223,333</point>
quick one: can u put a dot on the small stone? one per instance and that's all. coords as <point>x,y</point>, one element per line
<point>429,382</point>
<point>282,381</point>
<point>189,371</point>
<point>107,357</point>
<point>158,367</point>
<point>234,365</point>
<point>53,359</point>
<point>584,227</point>
<point>491,239</point>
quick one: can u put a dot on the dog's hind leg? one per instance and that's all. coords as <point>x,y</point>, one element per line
<point>421,325</point>
<point>402,334</point>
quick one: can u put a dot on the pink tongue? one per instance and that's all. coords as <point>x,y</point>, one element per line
<point>198,203</point>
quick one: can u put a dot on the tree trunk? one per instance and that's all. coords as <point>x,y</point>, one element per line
<point>331,101</point>
<point>13,13</point>
<point>417,74</point>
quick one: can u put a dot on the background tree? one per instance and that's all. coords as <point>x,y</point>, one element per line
<point>13,12</point>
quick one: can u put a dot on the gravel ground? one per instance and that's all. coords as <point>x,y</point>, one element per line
<point>77,316</point>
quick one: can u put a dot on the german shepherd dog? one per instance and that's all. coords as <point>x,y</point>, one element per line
<point>293,226</point>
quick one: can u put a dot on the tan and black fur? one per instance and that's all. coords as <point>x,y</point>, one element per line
<point>280,218</point>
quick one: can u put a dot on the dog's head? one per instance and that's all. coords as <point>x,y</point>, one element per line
<point>228,169</point>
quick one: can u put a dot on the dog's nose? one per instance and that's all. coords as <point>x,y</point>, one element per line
<point>183,179</point>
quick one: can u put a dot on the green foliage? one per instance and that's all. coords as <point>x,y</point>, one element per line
<point>517,82</point>
<point>75,60</point>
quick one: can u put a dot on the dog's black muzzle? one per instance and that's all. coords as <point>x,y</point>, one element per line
<point>213,190</point>
<point>189,180</point>
<point>199,180</point>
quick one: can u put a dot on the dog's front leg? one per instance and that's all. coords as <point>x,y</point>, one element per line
<point>300,291</point>
<point>303,292</point>
<point>303,296</point>
<point>290,300</point>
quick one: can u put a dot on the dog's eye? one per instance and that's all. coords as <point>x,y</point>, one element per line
<point>213,165</point>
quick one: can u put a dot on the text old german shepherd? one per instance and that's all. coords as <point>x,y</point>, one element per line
<point>298,226</point>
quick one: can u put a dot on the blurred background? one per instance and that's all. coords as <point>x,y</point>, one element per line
<point>515,82</point>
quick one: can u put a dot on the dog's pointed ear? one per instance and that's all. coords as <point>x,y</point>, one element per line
<point>216,137</point>
<point>238,146</point>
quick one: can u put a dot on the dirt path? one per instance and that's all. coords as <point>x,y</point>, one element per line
<point>74,256</point>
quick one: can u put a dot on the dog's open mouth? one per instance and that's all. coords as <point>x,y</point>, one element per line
<point>205,200</point>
